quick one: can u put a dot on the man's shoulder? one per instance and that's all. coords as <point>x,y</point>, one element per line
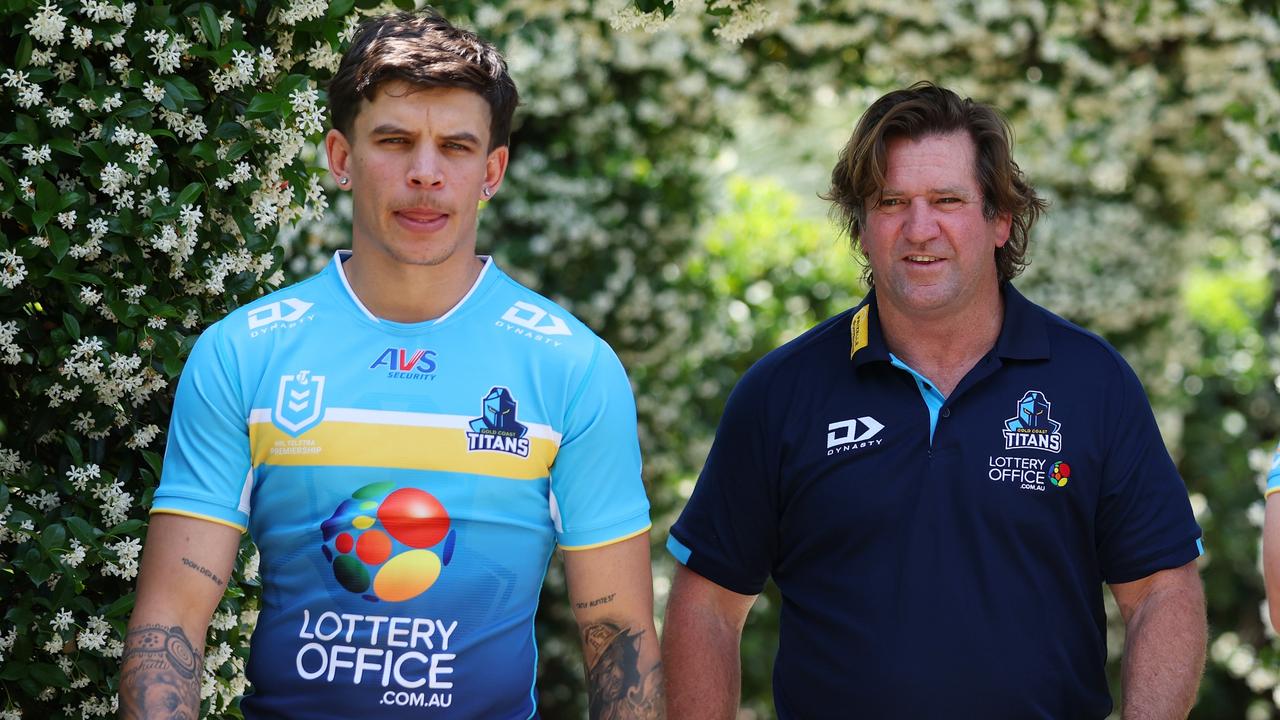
<point>287,307</point>
<point>1075,344</point>
<point>807,357</point>
<point>535,322</point>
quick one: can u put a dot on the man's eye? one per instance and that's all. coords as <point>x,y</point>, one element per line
<point>949,200</point>
<point>393,141</point>
<point>890,202</point>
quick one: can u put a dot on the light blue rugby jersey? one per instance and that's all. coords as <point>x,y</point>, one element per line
<point>406,485</point>
<point>1273,475</point>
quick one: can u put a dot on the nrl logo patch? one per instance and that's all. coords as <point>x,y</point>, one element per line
<point>1032,428</point>
<point>300,402</point>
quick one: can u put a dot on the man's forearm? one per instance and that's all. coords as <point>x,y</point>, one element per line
<point>703,665</point>
<point>160,675</point>
<point>1164,654</point>
<point>624,672</point>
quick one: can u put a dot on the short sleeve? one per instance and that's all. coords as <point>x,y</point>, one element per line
<point>207,465</point>
<point>1145,523</point>
<point>597,494</point>
<point>728,531</point>
<point>1273,475</point>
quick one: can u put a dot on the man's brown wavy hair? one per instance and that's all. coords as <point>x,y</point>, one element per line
<point>920,111</point>
<point>426,51</point>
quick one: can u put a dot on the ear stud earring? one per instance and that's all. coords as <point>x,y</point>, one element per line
<point>344,181</point>
<point>486,192</point>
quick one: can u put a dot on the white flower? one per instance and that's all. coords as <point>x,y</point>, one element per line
<point>135,293</point>
<point>67,219</point>
<point>120,63</point>
<point>13,78</point>
<point>97,228</point>
<point>113,179</point>
<point>48,24</point>
<point>89,296</point>
<point>81,37</point>
<point>63,620</point>
<point>44,500</point>
<point>190,216</point>
<point>80,476</point>
<point>35,156</point>
<point>152,91</point>
<point>157,323</point>
<point>58,116</point>
<point>12,269</point>
<point>41,57</point>
<point>75,556</point>
<point>65,71</point>
<point>112,102</point>
<point>10,353</point>
<point>94,634</point>
<point>86,104</point>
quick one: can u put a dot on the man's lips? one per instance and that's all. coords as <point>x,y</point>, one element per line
<point>923,259</point>
<point>421,219</point>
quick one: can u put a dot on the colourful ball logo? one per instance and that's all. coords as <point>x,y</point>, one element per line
<point>379,541</point>
<point>1061,474</point>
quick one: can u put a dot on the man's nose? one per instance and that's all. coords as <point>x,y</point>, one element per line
<point>425,170</point>
<point>921,223</point>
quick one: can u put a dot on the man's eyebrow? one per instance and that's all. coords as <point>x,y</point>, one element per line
<point>389,129</point>
<point>463,136</point>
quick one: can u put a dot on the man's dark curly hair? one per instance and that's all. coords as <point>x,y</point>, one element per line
<point>426,51</point>
<point>920,111</point>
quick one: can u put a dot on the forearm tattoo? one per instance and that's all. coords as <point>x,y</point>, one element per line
<point>159,677</point>
<point>618,688</point>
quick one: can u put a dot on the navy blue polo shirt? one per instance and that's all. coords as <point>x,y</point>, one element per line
<point>938,558</point>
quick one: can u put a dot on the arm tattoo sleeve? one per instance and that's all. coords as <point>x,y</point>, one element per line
<point>160,675</point>
<point>618,688</point>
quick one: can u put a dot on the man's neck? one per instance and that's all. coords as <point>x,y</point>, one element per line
<point>943,348</point>
<point>410,293</point>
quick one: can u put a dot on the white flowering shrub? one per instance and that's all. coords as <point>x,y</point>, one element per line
<point>149,154</point>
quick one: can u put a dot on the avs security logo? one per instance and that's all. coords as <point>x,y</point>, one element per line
<point>854,434</point>
<point>300,402</point>
<point>404,364</point>
<point>281,315</point>
<point>1033,428</point>
<point>497,430</point>
<point>386,544</point>
<point>531,321</point>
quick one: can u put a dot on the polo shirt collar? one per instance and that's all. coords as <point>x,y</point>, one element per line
<point>1023,335</point>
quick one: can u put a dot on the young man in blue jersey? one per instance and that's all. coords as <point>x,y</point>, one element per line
<point>941,479</point>
<point>408,436</point>
<point>1271,540</point>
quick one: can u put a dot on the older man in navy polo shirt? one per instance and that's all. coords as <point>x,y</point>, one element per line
<point>941,479</point>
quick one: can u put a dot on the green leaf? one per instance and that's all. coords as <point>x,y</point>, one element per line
<point>60,242</point>
<point>53,536</point>
<point>121,607</point>
<point>48,675</point>
<point>73,447</point>
<point>263,105</point>
<point>72,325</point>
<point>81,530</point>
<point>40,218</point>
<point>209,24</point>
<point>189,194</point>
<point>128,527</point>
<point>86,69</point>
<point>340,8</point>
<point>47,195</point>
<point>134,108</point>
<point>172,366</point>
<point>65,146</point>
<point>239,148</point>
<point>228,130</point>
<point>24,52</point>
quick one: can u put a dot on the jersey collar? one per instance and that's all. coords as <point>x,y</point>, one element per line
<point>341,256</point>
<point>1023,335</point>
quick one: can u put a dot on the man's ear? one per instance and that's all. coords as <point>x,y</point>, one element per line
<point>338,151</point>
<point>495,168</point>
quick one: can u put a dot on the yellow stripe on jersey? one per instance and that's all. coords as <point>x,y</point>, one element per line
<point>396,446</point>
